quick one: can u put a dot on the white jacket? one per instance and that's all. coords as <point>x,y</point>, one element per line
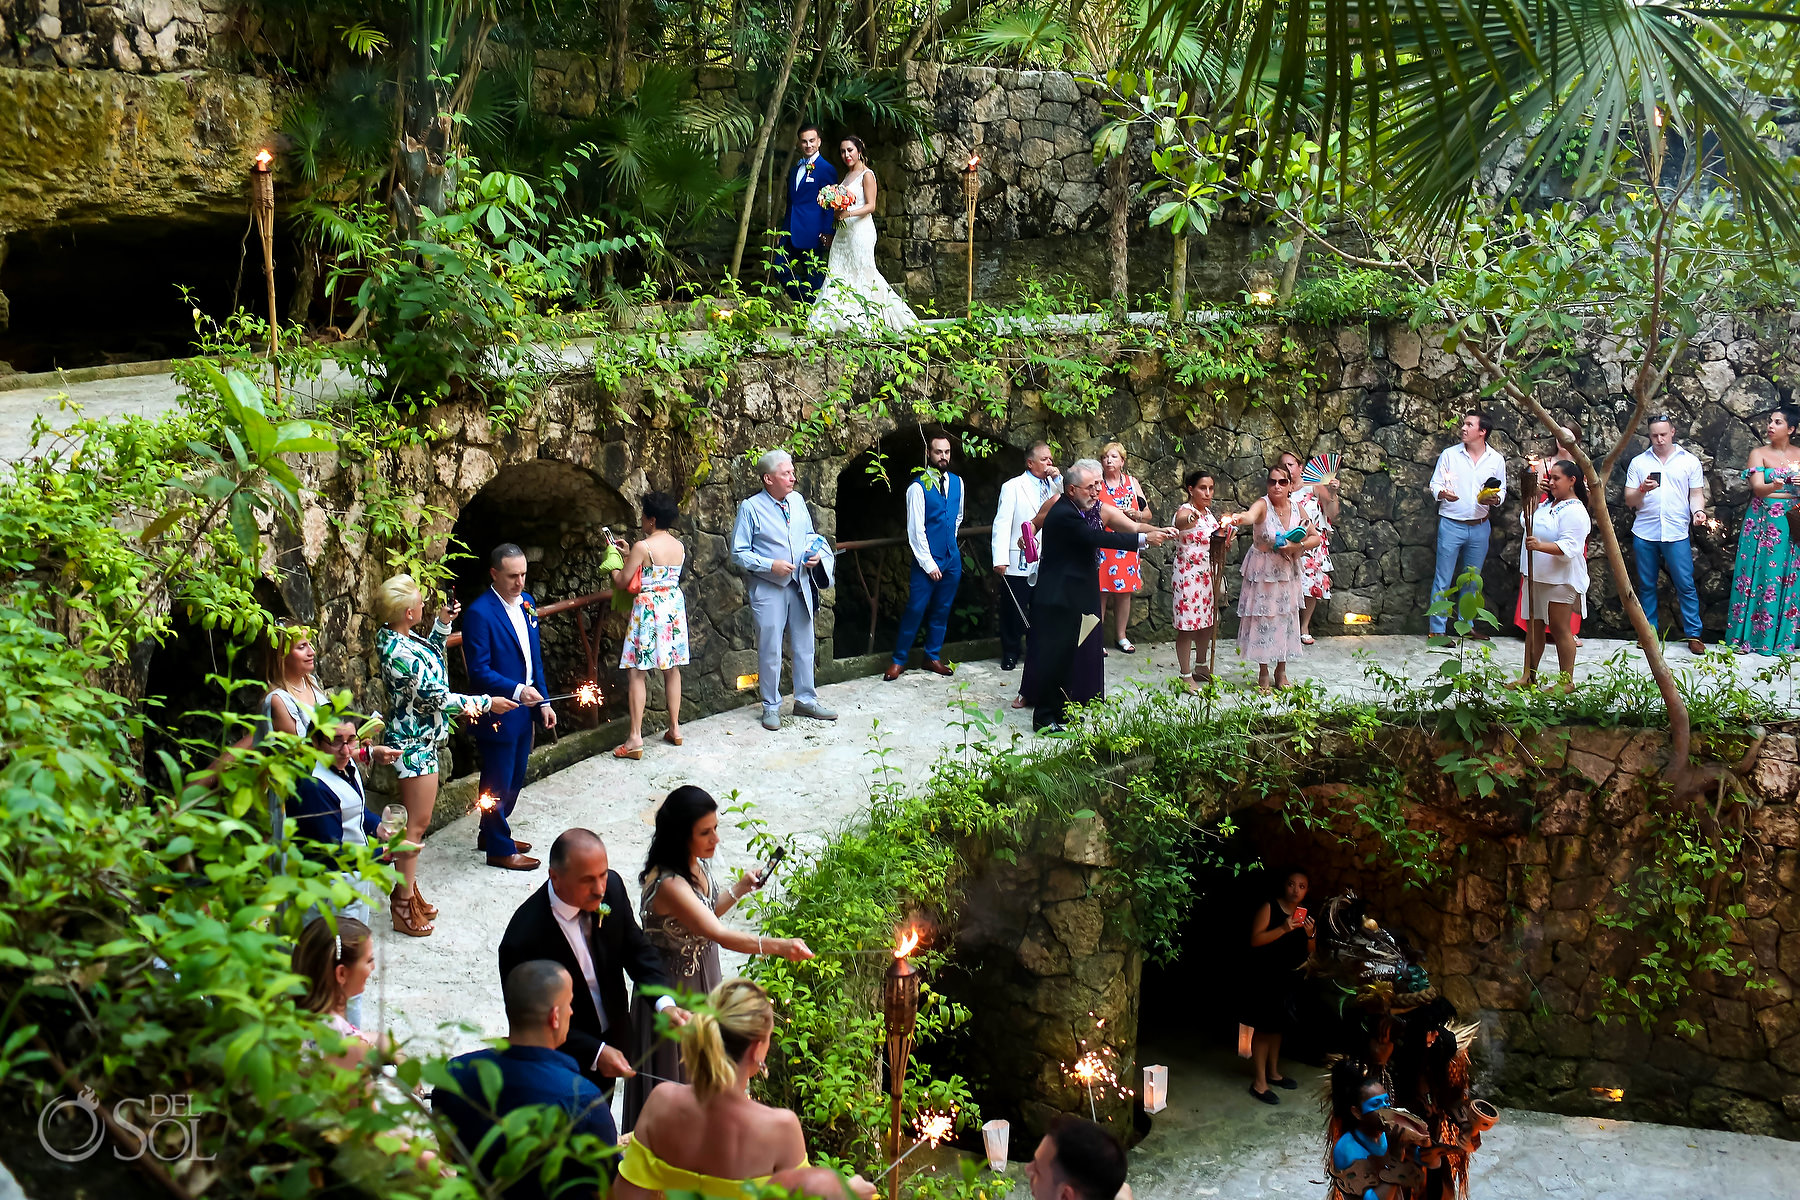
<point>1020,499</point>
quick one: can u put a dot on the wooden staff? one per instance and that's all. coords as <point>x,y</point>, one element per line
<point>1533,488</point>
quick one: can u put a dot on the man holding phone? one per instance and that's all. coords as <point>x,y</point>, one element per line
<point>1667,486</point>
<point>1470,479</point>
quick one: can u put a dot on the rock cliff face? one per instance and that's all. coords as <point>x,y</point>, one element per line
<point>136,36</point>
<point>97,145</point>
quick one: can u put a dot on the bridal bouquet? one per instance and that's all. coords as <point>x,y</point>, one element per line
<point>835,198</point>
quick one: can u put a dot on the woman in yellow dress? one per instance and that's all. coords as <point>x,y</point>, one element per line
<point>709,1136</point>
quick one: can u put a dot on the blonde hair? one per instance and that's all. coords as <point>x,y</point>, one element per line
<point>1109,448</point>
<point>713,1043</point>
<point>395,596</point>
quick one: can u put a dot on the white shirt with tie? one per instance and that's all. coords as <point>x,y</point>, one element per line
<point>515,612</point>
<point>915,515</point>
<point>578,927</point>
<point>1020,499</point>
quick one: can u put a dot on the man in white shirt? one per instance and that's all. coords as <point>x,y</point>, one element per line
<point>1470,479</point>
<point>1020,500</point>
<point>934,517</point>
<point>1667,486</point>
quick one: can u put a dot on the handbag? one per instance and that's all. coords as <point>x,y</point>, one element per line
<point>1028,538</point>
<point>635,584</point>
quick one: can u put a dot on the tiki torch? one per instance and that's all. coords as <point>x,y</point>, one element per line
<point>900,1014</point>
<point>972,193</point>
<point>1532,486</point>
<point>262,208</point>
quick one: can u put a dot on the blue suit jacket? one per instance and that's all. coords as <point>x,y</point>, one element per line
<point>807,222</point>
<point>495,665</point>
<point>528,1075</point>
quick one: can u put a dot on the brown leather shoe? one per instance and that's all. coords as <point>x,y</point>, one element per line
<point>932,664</point>
<point>523,847</point>
<point>1696,646</point>
<point>894,671</point>
<point>513,862</point>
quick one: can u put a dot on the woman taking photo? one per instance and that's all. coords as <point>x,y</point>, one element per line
<point>1765,603</point>
<point>1269,604</point>
<point>1281,940</point>
<point>1557,546</point>
<point>680,910</point>
<point>709,1136</point>
<point>1120,575</point>
<point>1318,504</point>
<point>656,637</point>
<point>418,686</point>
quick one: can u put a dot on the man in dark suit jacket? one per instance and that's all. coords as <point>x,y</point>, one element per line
<point>562,922</point>
<point>1068,585</point>
<point>808,226</point>
<point>504,658</point>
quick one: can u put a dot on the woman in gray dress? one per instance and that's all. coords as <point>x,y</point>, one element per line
<point>680,910</point>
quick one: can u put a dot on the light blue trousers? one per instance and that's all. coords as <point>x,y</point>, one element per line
<point>781,610</point>
<point>1459,547</point>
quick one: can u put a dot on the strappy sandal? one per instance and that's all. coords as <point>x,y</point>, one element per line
<point>406,920</point>
<point>634,753</point>
<point>425,908</point>
<point>673,738</point>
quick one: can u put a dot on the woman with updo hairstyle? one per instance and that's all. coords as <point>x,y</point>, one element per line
<point>418,687</point>
<point>656,637</point>
<point>709,1136</point>
<point>680,911</point>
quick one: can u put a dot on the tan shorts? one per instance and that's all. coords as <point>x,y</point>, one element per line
<point>1543,595</point>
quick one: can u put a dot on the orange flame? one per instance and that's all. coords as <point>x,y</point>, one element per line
<point>974,160</point>
<point>486,802</point>
<point>907,944</point>
<point>1611,1095</point>
<point>263,159</point>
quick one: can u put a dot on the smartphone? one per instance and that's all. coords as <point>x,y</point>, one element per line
<point>1300,914</point>
<point>762,876</point>
<point>1654,477</point>
<point>1492,483</point>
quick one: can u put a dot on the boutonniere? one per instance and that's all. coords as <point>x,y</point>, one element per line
<point>530,609</point>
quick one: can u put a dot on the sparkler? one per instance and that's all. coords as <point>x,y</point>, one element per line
<point>1087,1069</point>
<point>587,695</point>
<point>932,1128</point>
<point>486,802</point>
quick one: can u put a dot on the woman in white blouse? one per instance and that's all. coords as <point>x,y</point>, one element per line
<point>1559,575</point>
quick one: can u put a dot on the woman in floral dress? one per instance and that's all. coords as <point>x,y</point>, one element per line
<point>1318,504</point>
<point>1765,601</point>
<point>1119,573</point>
<point>1196,607</point>
<point>656,637</point>
<point>1269,604</point>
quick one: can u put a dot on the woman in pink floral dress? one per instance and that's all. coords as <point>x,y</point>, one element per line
<point>656,636</point>
<point>1269,605</point>
<point>1318,504</point>
<point>1196,606</point>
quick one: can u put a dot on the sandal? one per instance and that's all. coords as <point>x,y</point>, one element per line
<point>1306,639</point>
<point>673,738</point>
<point>426,908</point>
<point>635,752</point>
<point>405,919</point>
<point>1126,646</point>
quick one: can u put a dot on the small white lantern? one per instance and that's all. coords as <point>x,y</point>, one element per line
<point>995,1135</point>
<point>1156,1088</point>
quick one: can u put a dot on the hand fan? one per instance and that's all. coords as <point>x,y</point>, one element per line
<point>1320,468</point>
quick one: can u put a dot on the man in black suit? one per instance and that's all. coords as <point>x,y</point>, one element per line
<point>561,922</point>
<point>1069,585</point>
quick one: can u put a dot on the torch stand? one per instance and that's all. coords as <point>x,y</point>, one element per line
<point>900,1014</point>
<point>262,208</point>
<point>1533,489</point>
<point>971,193</point>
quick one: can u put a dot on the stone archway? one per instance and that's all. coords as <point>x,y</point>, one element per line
<point>558,513</point>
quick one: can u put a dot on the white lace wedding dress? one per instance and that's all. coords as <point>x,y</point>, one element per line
<point>855,297</point>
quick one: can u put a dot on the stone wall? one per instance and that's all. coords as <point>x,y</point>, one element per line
<point>1513,939</point>
<point>136,36</point>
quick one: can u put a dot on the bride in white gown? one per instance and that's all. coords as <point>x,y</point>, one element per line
<point>855,296</point>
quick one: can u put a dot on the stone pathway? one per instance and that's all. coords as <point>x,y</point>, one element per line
<point>813,778</point>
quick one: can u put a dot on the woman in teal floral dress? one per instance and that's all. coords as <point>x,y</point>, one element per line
<point>656,635</point>
<point>1765,601</point>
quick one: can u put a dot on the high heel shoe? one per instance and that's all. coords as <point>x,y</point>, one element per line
<point>426,908</point>
<point>407,921</point>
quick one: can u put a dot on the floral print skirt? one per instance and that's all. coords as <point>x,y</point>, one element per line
<point>1765,596</point>
<point>657,637</point>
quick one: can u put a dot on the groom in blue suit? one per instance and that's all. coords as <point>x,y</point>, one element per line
<point>504,658</point>
<point>808,226</point>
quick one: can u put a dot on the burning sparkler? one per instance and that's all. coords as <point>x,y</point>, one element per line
<point>932,1128</point>
<point>486,802</point>
<point>1089,1068</point>
<point>587,695</point>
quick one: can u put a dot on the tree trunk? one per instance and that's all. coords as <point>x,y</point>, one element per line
<point>871,33</point>
<point>1291,272</point>
<point>1178,282</point>
<point>826,34</point>
<point>762,135</point>
<point>1118,226</point>
<point>305,282</point>
<point>945,22</point>
<point>621,47</point>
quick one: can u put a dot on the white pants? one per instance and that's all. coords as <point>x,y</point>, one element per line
<point>782,609</point>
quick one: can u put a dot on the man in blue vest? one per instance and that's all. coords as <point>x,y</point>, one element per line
<point>934,516</point>
<point>808,226</point>
<point>504,658</point>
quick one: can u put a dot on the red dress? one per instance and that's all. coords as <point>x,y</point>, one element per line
<point>1119,568</point>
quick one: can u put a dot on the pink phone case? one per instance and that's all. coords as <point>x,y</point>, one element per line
<point>1029,533</point>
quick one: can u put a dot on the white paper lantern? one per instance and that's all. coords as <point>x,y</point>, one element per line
<point>995,1135</point>
<point>1156,1088</point>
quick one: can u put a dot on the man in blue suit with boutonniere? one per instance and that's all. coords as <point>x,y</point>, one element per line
<point>808,226</point>
<point>503,657</point>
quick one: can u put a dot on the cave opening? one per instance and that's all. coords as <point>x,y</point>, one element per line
<point>872,583</point>
<point>558,513</point>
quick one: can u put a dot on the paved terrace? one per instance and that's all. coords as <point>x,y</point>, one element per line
<point>812,778</point>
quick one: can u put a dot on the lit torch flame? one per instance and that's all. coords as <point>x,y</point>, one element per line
<point>974,161</point>
<point>907,944</point>
<point>263,159</point>
<point>1610,1095</point>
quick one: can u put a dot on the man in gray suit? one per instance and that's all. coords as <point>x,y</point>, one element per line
<point>774,544</point>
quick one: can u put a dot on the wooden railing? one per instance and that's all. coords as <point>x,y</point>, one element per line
<point>873,594</point>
